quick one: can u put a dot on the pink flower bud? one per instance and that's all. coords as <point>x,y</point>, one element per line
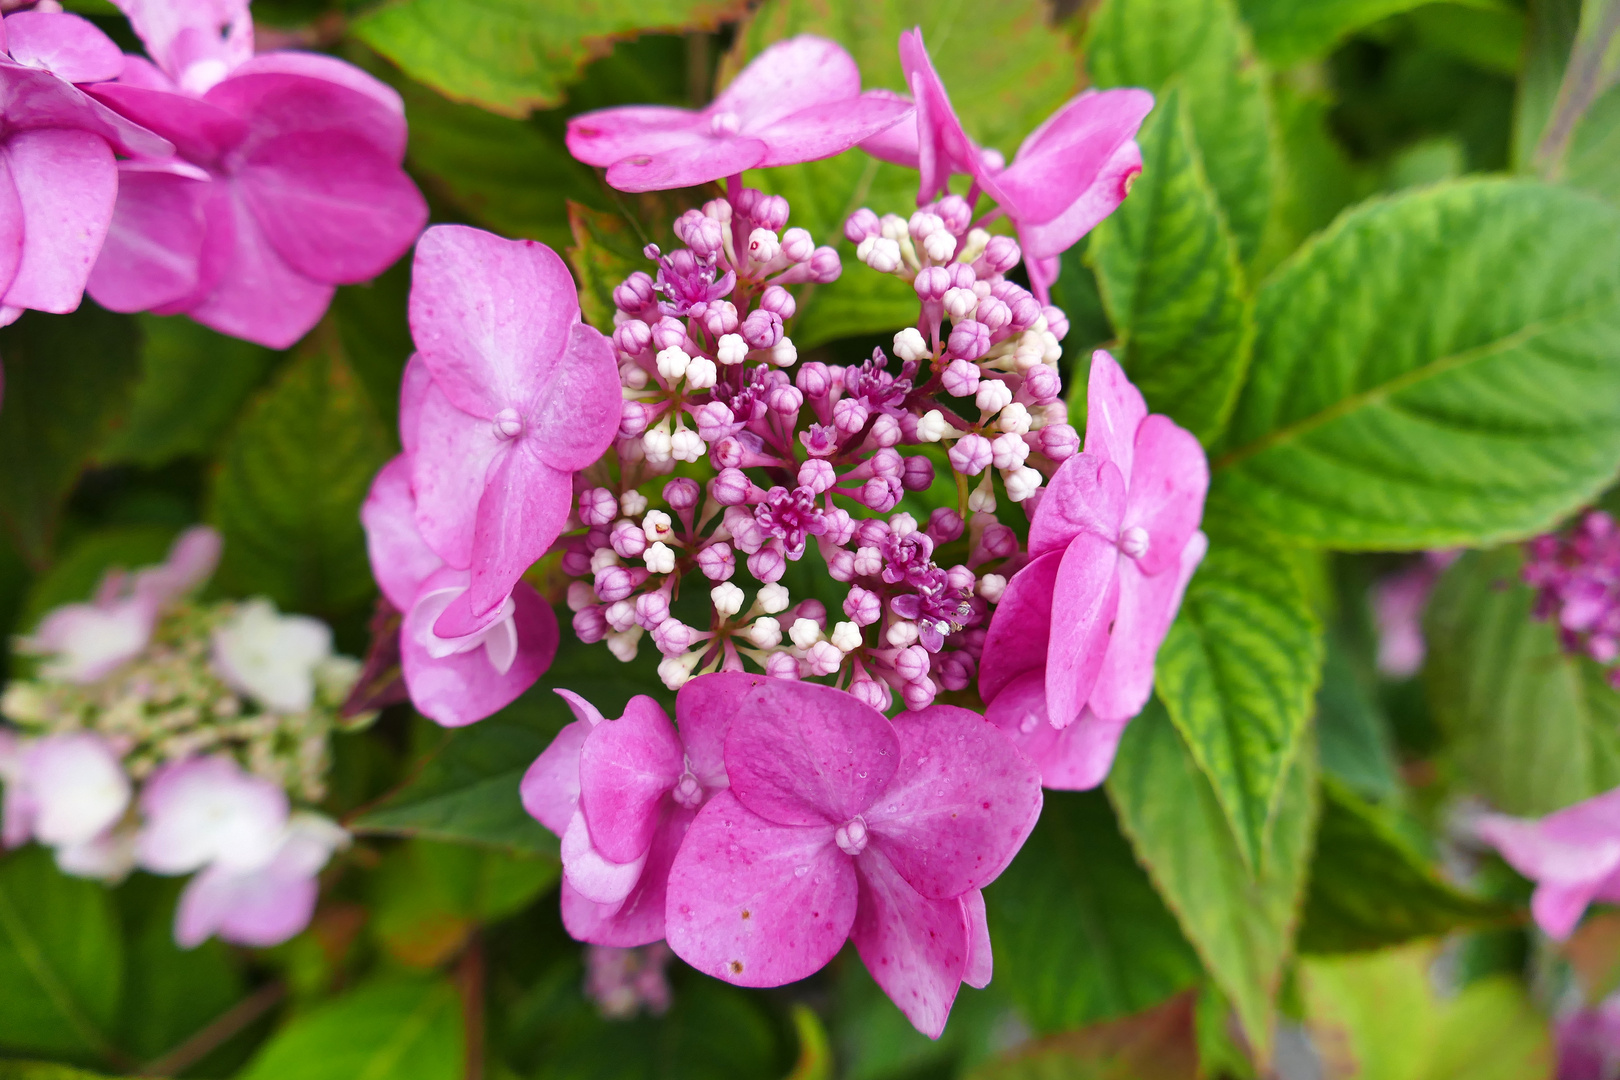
<point>872,532</point>
<point>714,421</point>
<point>887,462</point>
<point>762,329</point>
<point>920,694</point>
<point>944,525</point>
<point>823,658</point>
<point>632,337</point>
<point>868,561</point>
<point>727,453</point>
<point>634,293</point>
<point>768,564</point>
<point>590,625</point>
<point>1056,322</point>
<point>731,487</point>
<point>863,606</point>
<point>825,266</point>
<point>1060,442</point>
<point>861,224</point>
<point>778,300</point>
<point>811,609</point>
<point>617,582</point>
<point>682,493</point>
<point>597,506</point>
<point>912,663</point>
<point>702,234</point>
<point>673,637</point>
<point>956,213</point>
<point>1001,254</point>
<point>744,202</point>
<point>955,670</point>
<point>821,440</point>
<point>998,542</point>
<point>576,563</point>
<point>817,475</point>
<point>849,415</point>
<point>628,540</point>
<point>717,562</point>
<point>886,430</point>
<point>785,401</point>
<point>720,317</point>
<point>872,693</point>
<point>881,493</point>
<point>994,314</point>
<point>1043,384</point>
<point>633,419</point>
<point>1025,311</point>
<point>797,246</point>
<point>651,610</point>
<point>840,526</point>
<point>960,578</point>
<point>971,455</point>
<point>970,339</point>
<point>813,379</point>
<point>781,665</point>
<point>923,224</point>
<point>771,212</point>
<point>932,283</point>
<point>668,333</point>
<point>918,475</point>
<point>962,277</point>
<point>961,378</point>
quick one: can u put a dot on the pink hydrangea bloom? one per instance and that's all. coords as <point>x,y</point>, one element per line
<point>842,825</point>
<point>1588,1041</point>
<point>1573,856</point>
<point>56,152</point>
<point>621,795</point>
<point>263,905</point>
<point>1398,603</point>
<point>456,680</point>
<point>286,179</point>
<point>1576,573</point>
<point>69,792</point>
<point>1115,540</point>
<point>799,100</point>
<point>514,395</point>
<point>83,643</point>
<point>1069,174</point>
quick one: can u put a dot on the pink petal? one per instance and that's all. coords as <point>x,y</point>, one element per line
<point>335,209</point>
<point>756,903</point>
<point>413,388</point>
<point>63,44</point>
<point>1085,598</point>
<point>607,136</point>
<point>916,948</point>
<point>1114,410</point>
<point>520,515</point>
<point>687,165</point>
<point>191,560</point>
<point>179,32</point>
<point>596,878</point>
<point>789,76</point>
<point>491,317</point>
<point>1592,821</point>
<point>257,909</point>
<point>1147,607</point>
<point>400,559</point>
<point>200,131</point>
<point>943,147</point>
<point>979,967</point>
<point>450,465</point>
<point>626,767</point>
<point>1041,242</point>
<point>466,687</point>
<point>1064,157</point>
<point>1021,626</point>
<point>574,414</point>
<point>1076,758</point>
<point>800,753</point>
<point>639,920</point>
<point>1529,849</point>
<point>1557,907</point>
<point>550,786</point>
<point>703,712</point>
<point>1086,494</point>
<point>274,105</point>
<point>898,143</point>
<point>330,69</point>
<point>1167,486</point>
<point>11,226</point>
<point>961,805</point>
<point>67,183</point>
<point>824,130</point>
<point>259,297</point>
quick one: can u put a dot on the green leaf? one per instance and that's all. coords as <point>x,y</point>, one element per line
<point>1238,674</point>
<point>1170,278</point>
<point>1288,31</point>
<point>1352,731</point>
<point>61,959</point>
<point>1548,39</point>
<point>1377,1016</point>
<point>1080,936</point>
<point>398,1029</point>
<point>1401,398</point>
<point>44,1070</point>
<point>290,483</point>
<point>68,380</point>
<point>73,578</point>
<point>608,247</point>
<point>1316,179</point>
<point>1148,43</point>
<point>194,381</point>
<point>1156,1045</point>
<point>1241,923</point>
<point>510,56</point>
<point>1370,889</point>
<point>428,897</point>
<point>373,325</point>
<point>1594,150</point>
<point>1532,728</point>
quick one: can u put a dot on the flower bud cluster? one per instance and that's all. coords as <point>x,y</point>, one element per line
<point>1577,575</point>
<point>623,982</point>
<point>823,454</point>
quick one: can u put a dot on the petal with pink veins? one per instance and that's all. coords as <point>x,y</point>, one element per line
<point>1086,494</point>
<point>67,182</point>
<point>697,161</point>
<point>1085,601</point>
<point>756,903</point>
<point>1114,410</point>
<point>626,767</point>
<point>66,45</point>
<point>703,711</point>
<point>1147,607</point>
<point>413,388</point>
<point>1020,628</point>
<point>574,414</point>
<point>1063,158</point>
<point>329,69</point>
<point>400,559</point>
<point>153,251</point>
<point>201,132</point>
<point>451,462</point>
<point>916,948</point>
<point>789,76</point>
<point>274,105</point>
<point>1102,198</point>
<point>824,130</point>
<point>522,511</point>
<point>607,136</point>
<point>465,687</point>
<point>11,225</point>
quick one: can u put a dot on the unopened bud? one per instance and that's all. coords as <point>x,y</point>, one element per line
<point>701,373</point>
<point>797,246</point>
<point>772,598</point>
<point>861,224</point>
<point>672,362</point>
<point>932,426</point>
<point>763,245</point>
<point>660,558</point>
<point>717,562</point>
<point>918,474</point>
<point>971,455</point>
<point>727,599</point>
<point>910,346</point>
<point>993,395</point>
<point>764,633</point>
<point>961,378</point>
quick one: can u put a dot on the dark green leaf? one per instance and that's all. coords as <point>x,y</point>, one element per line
<point>376,335</point>
<point>61,959</point>
<point>397,1029</point>
<point>1156,1045</point>
<point>1316,178</point>
<point>291,480</point>
<point>428,897</point>
<point>1594,150</point>
<point>1400,398</point>
<point>1170,277</point>
<point>1351,729</point>
<point>510,56</point>
<point>68,380</point>
<point>1532,728</point>
<point>1079,934</point>
<point>1288,31</point>
<point>1238,673</point>
<point>1241,923</point>
<point>1148,43</point>
<point>74,576</point>
<point>1370,889</point>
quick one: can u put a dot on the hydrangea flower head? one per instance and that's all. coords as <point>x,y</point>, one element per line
<point>67,791</point>
<point>799,100</point>
<point>1572,855</point>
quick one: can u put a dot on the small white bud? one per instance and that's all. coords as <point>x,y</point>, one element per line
<point>672,362</point>
<point>674,671</point>
<point>727,599</point>
<point>883,255</point>
<point>772,598</point>
<point>657,445</point>
<point>622,643</point>
<point>977,241</point>
<point>1022,483</point>
<point>784,353</point>
<point>763,245</point>
<point>580,595</point>
<point>621,615</point>
<point>1008,451</point>
<point>993,396</point>
<point>1031,350</point>
<point>764,633</point>
<point>804,633</point>
<point>701,373</point>
<point>940,246</point>
<point>991,586</point>
<point>632,503</point>
<point>1014,419</point>
<point>660,558</point>
<point>1053,351</point>
<point>847,636</point>
<point>657,525</point>
<point>932,426</point>
<point>632,376</point>
<point>603,557</point>
<point>982,499</point>
<point>902,634</point>
<point>909,344</point>
<point>894,227</point>
<point>960,303</point>
<point>732,349</point>
<point>687,445</point>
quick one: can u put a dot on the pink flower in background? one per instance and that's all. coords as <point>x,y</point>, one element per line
<point>285,183</point>
<point>84,643</point>
<point>264,905</point>
<point>1398,603</point>
<point>1577,575</point>
<point>1588,1042</point>
<point>522,394</point>
<point>68,792</point>
<point>1069,174</point>
<point>839,824</point>
<point>621,795</point>
<point>1112,546</point>
<point>799,100</point>
<point>622,982</point>
<point>455,680</point>
<point>1573,856</point>
<point>56,152</point>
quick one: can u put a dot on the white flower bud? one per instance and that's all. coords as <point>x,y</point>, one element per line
<point>603,557</point>
<point>657,445</point>
<point>580,594</point>
<point>1014,419</point>
<point>881,254</point>
<point>1022,483</point>
<point>1031,350</point>
<point>784,353</point>
<point>763,245</point>
<point>764,633</point>
<point>1053,351</point>
<point>660,558</point>
<point>894,227</point>
<point>940,246</point>
<point>804,633</point>
<point>657,526</point>
<point>727,599</point>
<point>687,445</point>
<point>622,644</point>
<point>991,586</point>
<point>701,373</point>
<point>909,344</point>
<point>732,350</point>
<point>847,636</point>
<point>674,671</point>
<point>632,376</point>
<point>977,241</point>
<point>932,426</point>
<point>632,504</point>
<point>621,615</point>
<point>993,396</point>
<point>1008,451</point>
<point>960,303</point>
<point>672,362</point>
<point>902,634</point>
<point>982,499</point>
<point>772,598</point>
